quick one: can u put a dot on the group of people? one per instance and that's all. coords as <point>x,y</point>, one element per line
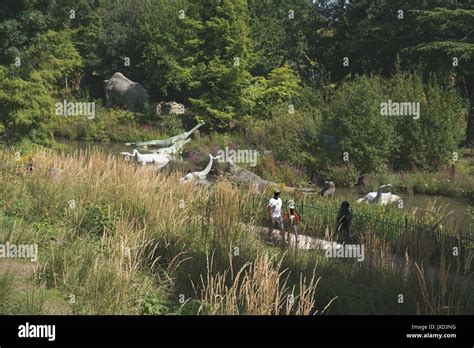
<point>278,219</point>
<point>276,216</point>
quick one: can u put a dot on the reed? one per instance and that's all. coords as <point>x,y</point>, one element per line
<point>260,287</point>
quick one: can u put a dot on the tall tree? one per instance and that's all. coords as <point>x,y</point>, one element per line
<point>221,65</point>
<point>170,38</point>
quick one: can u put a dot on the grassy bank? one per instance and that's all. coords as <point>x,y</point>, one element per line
<point>112,125</point>
<point>117,239</point>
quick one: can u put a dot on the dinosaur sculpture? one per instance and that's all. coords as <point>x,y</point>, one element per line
<point>380,197</point>
<point>169,141</point>
<point>201,175</point>
<point>328,189</point>
<point>173,149</point>
<point>143,159</point>
<point>240,175</point>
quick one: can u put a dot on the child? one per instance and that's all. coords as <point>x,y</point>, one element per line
<point>294,220</point>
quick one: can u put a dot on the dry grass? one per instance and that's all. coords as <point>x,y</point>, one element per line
<point>157,239</point>
<point>260,287</point>
<point>157,222</point>
<point>440,292</point>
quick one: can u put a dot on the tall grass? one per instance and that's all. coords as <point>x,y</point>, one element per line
<point>260,287</point>
<point>137,242</point>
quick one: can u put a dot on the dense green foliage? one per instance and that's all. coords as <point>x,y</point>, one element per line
<point>244,66</point>
<point>302,82</point>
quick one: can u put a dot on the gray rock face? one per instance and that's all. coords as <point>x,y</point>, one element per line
<point>122,92</point>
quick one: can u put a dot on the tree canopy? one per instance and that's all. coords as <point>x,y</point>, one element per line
<point>234,62</point>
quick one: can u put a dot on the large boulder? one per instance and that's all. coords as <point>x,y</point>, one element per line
<point>122,92</point>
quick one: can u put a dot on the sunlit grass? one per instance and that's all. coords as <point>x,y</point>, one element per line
<point>134,239</point>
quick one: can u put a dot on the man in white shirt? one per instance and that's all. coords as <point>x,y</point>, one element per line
<point>274,210</point>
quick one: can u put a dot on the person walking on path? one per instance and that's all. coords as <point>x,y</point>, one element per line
<point>274,211</point>
<point>294,220</point>
<point>344,219</point>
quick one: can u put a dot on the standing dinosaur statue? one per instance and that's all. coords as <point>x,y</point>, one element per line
<point>169,141</point>
<point>328,189</point>
<point>201,175</point>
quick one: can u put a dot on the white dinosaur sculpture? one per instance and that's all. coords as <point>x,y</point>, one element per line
<point>169,141</point>
<point>380,197</point>
<point>143,159</point>
<point>173,149</point>
<point>202,174</point>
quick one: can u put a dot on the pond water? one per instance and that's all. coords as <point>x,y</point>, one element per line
<point>71,146</point>
<point>457,208</point>
<point>458,219</point>
<point>106,148</point>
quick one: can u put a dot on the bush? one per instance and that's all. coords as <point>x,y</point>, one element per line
<point>374,141</point>
<point>291,138</point>
<point>343,176</point>
<point>153,304</point>
<point>356,122</point>
<point>280,172</point>
<point>96,220</point>
<point>426,143</point>
<point>109,125</point>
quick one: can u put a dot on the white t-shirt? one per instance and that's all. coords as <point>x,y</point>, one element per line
<point>275,205</point>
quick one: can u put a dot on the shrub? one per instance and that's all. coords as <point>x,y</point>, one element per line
<point>290,137</point>
<point>153,304</point>
<point>344,176</point>
<point>96,220</point>
<point>428,142</point>
<point>356,122</point>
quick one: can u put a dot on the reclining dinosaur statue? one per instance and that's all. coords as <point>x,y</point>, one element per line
<point>200,177</point>
<point>240,175</point>
<point>143,159</point>
<point>380,197</point>
<point>169,141</point>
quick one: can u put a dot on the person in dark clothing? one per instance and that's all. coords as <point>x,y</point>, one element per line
<point>344,218</point>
